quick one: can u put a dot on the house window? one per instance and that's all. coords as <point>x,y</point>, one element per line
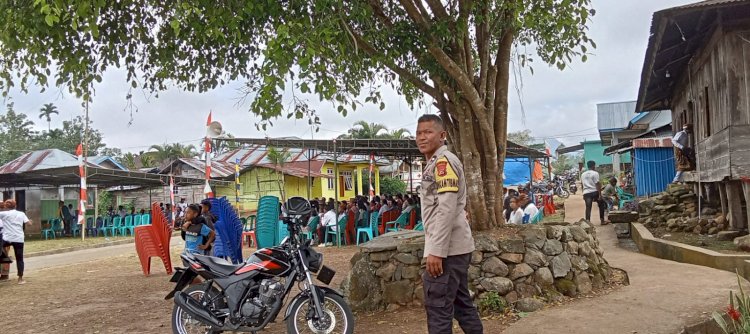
<point>331,179</point>
<point>348,180</point>
<point>707,113</point>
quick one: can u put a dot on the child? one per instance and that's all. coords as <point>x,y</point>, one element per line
<point>516,213</point>
<point>196,231</point>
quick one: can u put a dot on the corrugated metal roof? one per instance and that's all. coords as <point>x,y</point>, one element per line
<point>99,159</point>
<point>614,116</point>
<point>252,155</point>
<point>42,159</point>
<point>299,169</point>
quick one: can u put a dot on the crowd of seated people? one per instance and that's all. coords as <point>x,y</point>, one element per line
<point>358,212</point>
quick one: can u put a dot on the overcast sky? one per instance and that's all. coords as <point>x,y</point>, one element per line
<point>559,104</point>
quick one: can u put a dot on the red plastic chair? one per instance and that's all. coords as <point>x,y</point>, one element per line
<point>153,240</point>
<point>350,227</point>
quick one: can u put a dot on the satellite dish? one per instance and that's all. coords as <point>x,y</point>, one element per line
<point>214,130</point>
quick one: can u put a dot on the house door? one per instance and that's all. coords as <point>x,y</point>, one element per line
<point>21,200</point>
<point>342,184</point>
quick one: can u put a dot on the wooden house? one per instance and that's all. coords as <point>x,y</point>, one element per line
<point>697,65</point>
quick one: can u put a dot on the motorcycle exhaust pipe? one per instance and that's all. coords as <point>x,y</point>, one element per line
<point>194,308</point>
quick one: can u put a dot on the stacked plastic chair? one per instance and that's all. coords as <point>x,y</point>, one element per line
<point>267,222</point>
<point>153,240</point>
<point>228,242</point>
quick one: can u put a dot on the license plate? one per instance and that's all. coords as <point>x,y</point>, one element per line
<point>326,274</point>
<point>177,274</point>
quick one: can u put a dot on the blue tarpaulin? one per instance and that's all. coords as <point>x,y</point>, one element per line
<point>517,171</point>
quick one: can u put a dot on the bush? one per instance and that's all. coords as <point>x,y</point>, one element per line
<point>491,302</point>
<point>738,312</point>
<point>392,186</point>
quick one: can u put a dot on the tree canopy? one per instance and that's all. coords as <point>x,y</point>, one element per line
<point>456,52</point>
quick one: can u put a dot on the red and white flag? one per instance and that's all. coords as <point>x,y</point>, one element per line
<point>82,172</point>
<point>207,189</point>
<point>171,195</point>
<point>372,188</point>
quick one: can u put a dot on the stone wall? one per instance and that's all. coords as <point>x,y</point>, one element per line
<point>676,209</point>
<point>536,262</point>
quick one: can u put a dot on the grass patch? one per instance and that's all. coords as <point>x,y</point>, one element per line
<point>39,245</point>
<point>698,240</point>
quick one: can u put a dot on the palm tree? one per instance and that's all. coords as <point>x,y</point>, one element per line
<point>47,112</point>
<point>397,134</point>
<point>161,152</point>
<point>184,151</point>
<point>278,158</point>
<point>173,151</point>
<point>364,130</point>
<point>128,159</point>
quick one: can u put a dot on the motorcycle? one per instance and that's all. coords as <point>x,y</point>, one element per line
<point>559,188</point>
<point>248,296</point>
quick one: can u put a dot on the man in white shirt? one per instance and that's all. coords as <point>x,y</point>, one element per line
<point>329,219</point>
<point>592,190</point>
<point>13,234</point>
<point>682,152</point>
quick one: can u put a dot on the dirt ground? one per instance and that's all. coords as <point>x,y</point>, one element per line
<point>113,296</point>
<point>698,240</point>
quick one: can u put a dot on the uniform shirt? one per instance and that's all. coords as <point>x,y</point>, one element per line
<point>680,139</point>
<point>589,179</point>
<point>13,221</point>
<point>443,194</point>
<point>195,237</point>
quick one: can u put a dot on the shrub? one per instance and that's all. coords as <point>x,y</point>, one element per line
<point>738,312</point>
<point>492,302</point>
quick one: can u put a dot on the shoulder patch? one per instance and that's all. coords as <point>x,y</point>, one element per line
<point>445,176</point>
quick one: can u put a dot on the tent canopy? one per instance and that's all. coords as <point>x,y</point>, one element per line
<point>102,177</point>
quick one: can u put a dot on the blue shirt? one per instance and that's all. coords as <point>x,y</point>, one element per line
<point>193,239</point>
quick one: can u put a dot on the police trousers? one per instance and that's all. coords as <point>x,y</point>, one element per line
<point>447,297</point>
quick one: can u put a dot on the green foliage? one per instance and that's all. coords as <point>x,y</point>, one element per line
<point>16,134</point>
<point>492,302</point>
<point>737,313</point>
<point>520,137</point>
<point>364,130</point>
<point>105,200</point>
<point>128,159</point>
<point>392,186</point>
<point>167,152</point>
<point>562,164</point>
<point>68,138</point>
<point>46,112</point>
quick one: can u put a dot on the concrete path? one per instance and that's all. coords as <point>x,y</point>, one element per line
<point>663,296</point>
<point>85,255</point>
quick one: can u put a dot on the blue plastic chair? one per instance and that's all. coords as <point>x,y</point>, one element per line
<point>419,226</point>
<point>116,225</point>
<point>340,230</point>
<point>75,228</point>
<point>58,227</point>
<point>146,219</point>
<point>267,222</point>
<point>537,217</point>
<point>137,220</point>
<point>370,231</point>
<point>399,223</point>
<point>51,229</point>
<point>128,226</point>
<point>312,226</point>
<point>90,228</point>
<point>105,226</point>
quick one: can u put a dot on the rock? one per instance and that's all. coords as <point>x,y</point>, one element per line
<point>411,246</point>
<point>560,265</point>
<point>572,247</point>
<point>645,206</point>
<point>721,220</point>
<point>511,297</point>
<point>668,207</point>
<point>697,229</point>
<point>554,232</point>
<point>727,235</point>
<point>528,305</point>
<point>566,287</point>
<point>583,283</point>
<point>708,211</point>
<point>585,225</point>
<point>386,271</point>
<point>543,277</point>
<point>704,222</point>
<point>495,266</point>
<point>526,290</point>
<point>579,263</point>
<point>511,257</point>
<point>399,292</point>
<point>363,288</point>
<point>552,247</point>
<point>578,234</point>
<point>511,246</point>
<point>713,230</point>
<point>485,243</point>
<point>501,285</point>
<point>671,223</point>
<point>623,216</point>
<point>521,270</point>
<point>535,258</point>
<point>398,272</point>
<point>406,258</point>
<point>743,243</point>
<point>380,256</point>
<point>584,249</point>
<point>534,235</point>
<point>410,272</point>
<point>476,257</point>
<point>474,272</point>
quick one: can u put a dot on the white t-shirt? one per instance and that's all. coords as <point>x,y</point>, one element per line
<point>531,210</point>
<point>13,221</point>
<point>329,219</point>
<point>516,217</point>
<point>589,179</point>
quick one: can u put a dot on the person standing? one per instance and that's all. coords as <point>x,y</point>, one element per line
<point>682,152</point>
<point>592,192</point>
<point>197,233</point>
<point>13,234</point>
<point>448,239</point>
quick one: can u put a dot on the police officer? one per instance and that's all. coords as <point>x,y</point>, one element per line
<point>448,239</point>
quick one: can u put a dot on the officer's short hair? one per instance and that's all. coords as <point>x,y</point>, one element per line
<point>431,118</point>
<point>591,164</point>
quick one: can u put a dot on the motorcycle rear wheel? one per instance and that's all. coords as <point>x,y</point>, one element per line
<point>338,319</point>
<point>182,322</point>
<point>562,193</point>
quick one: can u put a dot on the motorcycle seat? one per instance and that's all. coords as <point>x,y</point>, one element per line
<point>218,265</point>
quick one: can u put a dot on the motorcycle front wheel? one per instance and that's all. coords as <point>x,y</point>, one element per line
<point>182,322</point>
<point>338,317</point>
<point>562,193</point>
